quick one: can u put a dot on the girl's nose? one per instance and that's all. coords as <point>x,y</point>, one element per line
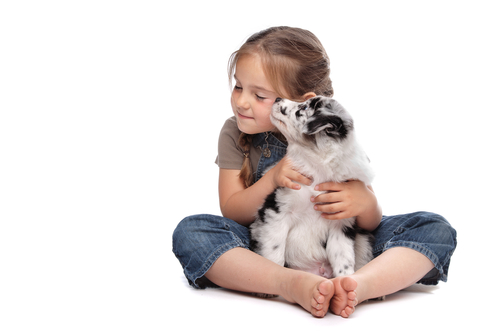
<point>241,102</point>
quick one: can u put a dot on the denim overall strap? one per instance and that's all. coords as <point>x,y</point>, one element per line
<point>273,150</point>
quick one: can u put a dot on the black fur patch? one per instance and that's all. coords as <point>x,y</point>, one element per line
<point>340,131</point>
<point>269,203</point>
<point>315,103</point>
<point>349,232</point>
<point>254,245</point>
<point>371,238</point>
<point>335,129</point>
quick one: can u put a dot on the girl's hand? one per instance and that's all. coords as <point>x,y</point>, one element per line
<point>348,199</point>
<point>285,176</point>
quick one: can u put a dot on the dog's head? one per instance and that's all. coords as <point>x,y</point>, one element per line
<point>318,119</point>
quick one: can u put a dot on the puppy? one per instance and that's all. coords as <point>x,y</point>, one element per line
<point>287,230</point>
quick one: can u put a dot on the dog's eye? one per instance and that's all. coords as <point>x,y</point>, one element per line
<point>304,107</point>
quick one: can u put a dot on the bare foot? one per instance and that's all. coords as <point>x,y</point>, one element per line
<point>345,298</point>
<point>311,292</point>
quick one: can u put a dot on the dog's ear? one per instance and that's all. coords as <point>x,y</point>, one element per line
<point>331,118</point>
<point>332,125</point>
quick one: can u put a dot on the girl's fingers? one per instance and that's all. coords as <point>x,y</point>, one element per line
<point>295,178</point>
<point>335,216</point>
<point>329,186</point>
<point>290,184</point>
<point>329,208</point>
<point>303,179</point>
<point>330,197</point>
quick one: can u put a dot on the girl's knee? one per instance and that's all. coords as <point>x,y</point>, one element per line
<point>438,222</point>
<point>433,226</point>
<point>188,224</point>
<point>188,228</point>
<point>204,229</point>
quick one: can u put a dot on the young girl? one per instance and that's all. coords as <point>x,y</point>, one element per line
<point>214,251</point>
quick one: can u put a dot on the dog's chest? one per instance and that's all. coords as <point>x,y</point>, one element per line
<point>298,202</point>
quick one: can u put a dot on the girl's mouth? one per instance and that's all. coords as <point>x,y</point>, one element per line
<point>243,116</point>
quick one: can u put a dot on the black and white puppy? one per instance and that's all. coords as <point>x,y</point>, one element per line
<point>287,229</point>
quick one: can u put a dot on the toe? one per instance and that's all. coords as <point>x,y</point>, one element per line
<point>326,287</point>
<point>351,295</point>
<point>318,314</point>
<point>349,284</point>
<point>347,312</point>
<point>318,311</point>
<point>317,306</point>
<point>319,298</point>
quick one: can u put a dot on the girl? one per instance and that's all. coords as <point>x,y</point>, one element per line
<point>214,251</point>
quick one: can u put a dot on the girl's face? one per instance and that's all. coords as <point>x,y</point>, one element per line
<point>252,96</point>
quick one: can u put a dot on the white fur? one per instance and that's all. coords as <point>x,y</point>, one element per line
<point>291,231</point>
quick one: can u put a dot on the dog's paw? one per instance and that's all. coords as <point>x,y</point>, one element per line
<point>264,295</point>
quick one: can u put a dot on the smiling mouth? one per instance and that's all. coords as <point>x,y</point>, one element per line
<point>243,116</point>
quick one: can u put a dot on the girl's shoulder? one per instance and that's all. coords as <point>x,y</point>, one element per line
<point>230,129</point>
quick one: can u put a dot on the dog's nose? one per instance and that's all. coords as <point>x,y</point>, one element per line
<point>278,99</point>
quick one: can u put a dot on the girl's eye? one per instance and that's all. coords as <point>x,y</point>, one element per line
<point>237,87</point>
<point>259,97</point>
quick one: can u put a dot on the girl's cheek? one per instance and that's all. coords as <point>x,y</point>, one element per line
<point>233,99</point>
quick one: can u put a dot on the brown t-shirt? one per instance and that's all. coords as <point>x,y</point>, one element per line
<point>230,154</point>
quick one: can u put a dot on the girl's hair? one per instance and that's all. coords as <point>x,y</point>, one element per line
<point>295,63</point>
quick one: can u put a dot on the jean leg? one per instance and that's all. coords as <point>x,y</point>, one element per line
<point>425,232</point>
<point>198,241</point>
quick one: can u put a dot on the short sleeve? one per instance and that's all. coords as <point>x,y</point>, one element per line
<point>230,154</point>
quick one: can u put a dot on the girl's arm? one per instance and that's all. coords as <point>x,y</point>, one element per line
<point>349,199</point>
<point>241,204</point>
<point>237,202</point>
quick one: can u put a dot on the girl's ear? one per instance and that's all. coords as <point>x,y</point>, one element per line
<point>307,96</point>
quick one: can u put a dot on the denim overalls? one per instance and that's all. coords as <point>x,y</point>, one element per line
<point>199,240</point>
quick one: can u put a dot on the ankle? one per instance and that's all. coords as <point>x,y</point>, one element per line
<point>367,288</point>
<point>286,285</point>
<point>362,290</point>
<point>292,284</point>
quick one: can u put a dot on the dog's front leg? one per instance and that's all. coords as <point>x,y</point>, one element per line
<point>340,250</point>
<point>363,249</point>
<point>272,243</point>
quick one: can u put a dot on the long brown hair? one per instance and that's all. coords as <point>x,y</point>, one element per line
<point>295,63</point>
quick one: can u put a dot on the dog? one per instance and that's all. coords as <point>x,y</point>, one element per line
<point>287,230</point>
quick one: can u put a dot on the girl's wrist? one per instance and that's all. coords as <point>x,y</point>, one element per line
<point>371,217</point>
<point>270,177</point>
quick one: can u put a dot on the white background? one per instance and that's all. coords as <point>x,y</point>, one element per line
<point>109,118</point>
